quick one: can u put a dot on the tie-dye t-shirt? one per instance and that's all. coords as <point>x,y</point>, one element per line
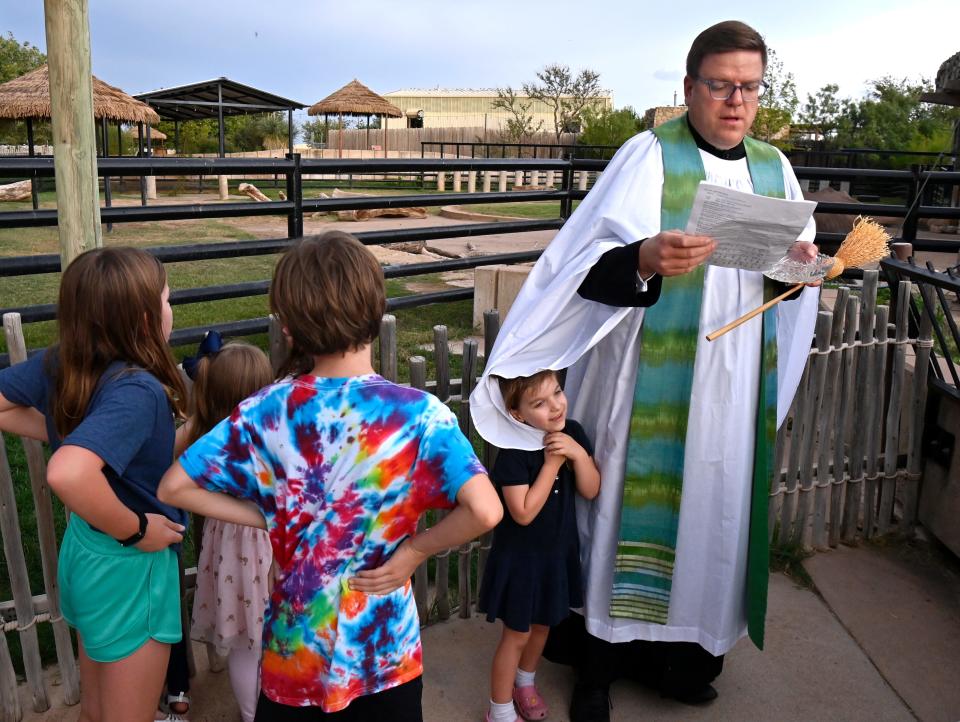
<point>342,469</point>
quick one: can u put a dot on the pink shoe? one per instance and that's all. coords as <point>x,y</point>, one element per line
<point>530,703</point>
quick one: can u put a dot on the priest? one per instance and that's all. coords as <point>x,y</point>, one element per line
<point>675,548</point>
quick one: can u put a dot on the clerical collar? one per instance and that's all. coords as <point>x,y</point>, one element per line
<point>735,153</point>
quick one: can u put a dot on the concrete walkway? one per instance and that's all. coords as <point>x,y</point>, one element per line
<point>879,640</point>
<point>811,670</point>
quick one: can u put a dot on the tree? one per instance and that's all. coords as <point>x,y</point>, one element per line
<point>520,125</point>
<point>567,96</point>
<point>822,111</point>
<point>315,131</point>
<point>18,58</point>
<point>609,127</point>
<point>778,103</point>
<point>892,117</point>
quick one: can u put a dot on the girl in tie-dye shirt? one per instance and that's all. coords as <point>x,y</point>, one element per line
<point>338,464</point>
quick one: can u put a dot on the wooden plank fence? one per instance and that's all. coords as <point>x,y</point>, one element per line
<point>841,470</point>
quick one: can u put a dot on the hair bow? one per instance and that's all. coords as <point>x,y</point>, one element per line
<point>210,346</point>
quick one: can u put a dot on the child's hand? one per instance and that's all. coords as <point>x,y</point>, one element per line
<point>561,444</point>
<point>161,533</point>
<point>393,574</point>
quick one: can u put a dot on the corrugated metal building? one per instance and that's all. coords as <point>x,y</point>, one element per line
<point>463,108</point>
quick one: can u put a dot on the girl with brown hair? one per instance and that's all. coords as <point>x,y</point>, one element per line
<point>109,391</point>
<point>233,569</point>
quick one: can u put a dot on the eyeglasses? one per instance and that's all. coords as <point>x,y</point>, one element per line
<point>724,89</point>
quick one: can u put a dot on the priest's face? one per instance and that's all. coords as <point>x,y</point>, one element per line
<point>723,123</point>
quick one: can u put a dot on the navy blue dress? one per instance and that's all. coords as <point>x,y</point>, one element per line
<point>532,574</point>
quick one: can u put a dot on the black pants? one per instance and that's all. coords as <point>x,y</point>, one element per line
<point>674,668</point>
<point>178,673</point>
<point>397,704</point>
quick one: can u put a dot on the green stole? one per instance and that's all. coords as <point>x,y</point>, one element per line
<point>653,477</point>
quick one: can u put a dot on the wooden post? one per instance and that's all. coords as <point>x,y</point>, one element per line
<point>843,493</point>
<point>9,698</point>
<point>582,181</point>
<point>46,530</point>
<point>874,422</point>
<point>388,347</point>
<point>818,378</point>
<point>517,179</point>
<point>20,585</point>
<point>457,181</point>
<point>441,359</point>
<point>471,181</point>
<point>502,181</point>
<point>830,432</point>
<point>487,181</point>
<point>918,407</point>
<point>491,327</point>
<point>891,447</point>
<point>74,139</point>
<point>418,380</point>
<point>863,397</point>
<point>467,381</point>
<point>442,390</point>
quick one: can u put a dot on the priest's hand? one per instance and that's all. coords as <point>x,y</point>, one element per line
<point>673,253</point>
<point>804,252</point>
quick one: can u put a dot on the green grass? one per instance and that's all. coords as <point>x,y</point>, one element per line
<point>788,558</point>
<point>531,209</point>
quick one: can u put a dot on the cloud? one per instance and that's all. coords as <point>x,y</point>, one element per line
<point>669,75</point>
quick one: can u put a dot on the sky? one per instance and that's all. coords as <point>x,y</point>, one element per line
<point>305,50</point>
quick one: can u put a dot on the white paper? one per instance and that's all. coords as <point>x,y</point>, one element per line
<point>752,232</point>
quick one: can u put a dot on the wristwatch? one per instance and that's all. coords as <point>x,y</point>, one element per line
<point>141,532</point>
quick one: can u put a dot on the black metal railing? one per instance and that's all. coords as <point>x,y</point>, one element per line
<point>293,169</point>
<point>935,291</point>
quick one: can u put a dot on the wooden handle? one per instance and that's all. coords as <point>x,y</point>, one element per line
<point>755,312</point>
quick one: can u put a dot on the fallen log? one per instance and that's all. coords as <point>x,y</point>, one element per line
<point>19,191</point>
<point>251,190</point>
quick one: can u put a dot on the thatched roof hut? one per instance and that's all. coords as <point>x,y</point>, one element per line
<point>355,99</point>
<point>28,98</point>
<point>154,133</point>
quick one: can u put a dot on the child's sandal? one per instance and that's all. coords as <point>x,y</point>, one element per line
<point>530,703</point>
<point>178,715</point>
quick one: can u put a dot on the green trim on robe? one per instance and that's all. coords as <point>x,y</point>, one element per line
<point>653,477</point>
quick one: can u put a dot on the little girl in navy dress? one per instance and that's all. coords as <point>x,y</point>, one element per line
<point>532,576</point>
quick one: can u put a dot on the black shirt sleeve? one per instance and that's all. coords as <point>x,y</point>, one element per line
<point>780,287</point>
<point>613,279</point>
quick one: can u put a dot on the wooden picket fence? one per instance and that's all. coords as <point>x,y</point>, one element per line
<point>838,453</point>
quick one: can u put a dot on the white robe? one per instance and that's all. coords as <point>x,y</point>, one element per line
<point>551,326</point>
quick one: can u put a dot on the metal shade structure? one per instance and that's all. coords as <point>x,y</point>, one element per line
<point>355,99</point>
<point>217,98</point>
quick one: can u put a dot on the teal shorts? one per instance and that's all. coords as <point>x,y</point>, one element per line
<point>117,597</point>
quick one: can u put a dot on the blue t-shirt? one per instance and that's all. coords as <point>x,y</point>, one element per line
<point>128,424</point>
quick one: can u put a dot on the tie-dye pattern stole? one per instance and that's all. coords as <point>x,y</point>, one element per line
<point>653,477</point>
<point>342,470</point>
